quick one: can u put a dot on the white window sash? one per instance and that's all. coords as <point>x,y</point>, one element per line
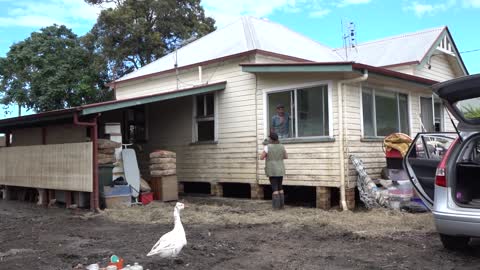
<point>374,111</point>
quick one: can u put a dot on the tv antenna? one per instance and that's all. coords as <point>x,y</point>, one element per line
<point>349,37</point>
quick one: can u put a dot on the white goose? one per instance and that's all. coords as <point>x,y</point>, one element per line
<point>171,243</point>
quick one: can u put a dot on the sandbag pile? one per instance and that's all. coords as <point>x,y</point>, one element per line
<point>106,151</point>
<point>163,163</point>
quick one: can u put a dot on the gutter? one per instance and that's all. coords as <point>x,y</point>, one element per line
<point>341,133</point>
<point>94,199</point>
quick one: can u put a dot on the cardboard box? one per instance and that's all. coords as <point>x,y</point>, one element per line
<point>118,201</point>
<point>164,188</point>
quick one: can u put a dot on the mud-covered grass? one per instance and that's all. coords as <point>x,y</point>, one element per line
<point>225,234</point>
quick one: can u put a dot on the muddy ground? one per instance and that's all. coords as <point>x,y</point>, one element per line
<point>225,234</point>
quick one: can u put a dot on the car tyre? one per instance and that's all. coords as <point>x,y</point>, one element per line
<point>454,242</point>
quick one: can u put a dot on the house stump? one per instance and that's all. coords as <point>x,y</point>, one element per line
<point>350,197</point>
<point>256,192</point>
<point>216,189</point>
<point>323,200</point>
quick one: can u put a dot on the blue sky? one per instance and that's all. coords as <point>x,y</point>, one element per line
<point>317,19</point>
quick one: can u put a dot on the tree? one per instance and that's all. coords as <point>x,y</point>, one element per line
<point>52,70</point>
<point>135,33</point>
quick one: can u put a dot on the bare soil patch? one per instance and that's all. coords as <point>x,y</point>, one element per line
<point>225,234</point>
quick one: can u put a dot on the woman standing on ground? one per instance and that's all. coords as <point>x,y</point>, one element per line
<point>275,153</point>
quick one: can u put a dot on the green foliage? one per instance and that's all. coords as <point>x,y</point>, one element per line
<point>135,33</point>
<point>54,68</point>
<point>51,70</point>
<point>470,112</point>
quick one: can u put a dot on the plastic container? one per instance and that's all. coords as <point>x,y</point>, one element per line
<point>136,266</point>
<point>146,197</point>
<point>118,190</point>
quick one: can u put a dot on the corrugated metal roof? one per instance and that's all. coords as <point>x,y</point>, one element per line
<point>405,48</point>
<point>245,34</point>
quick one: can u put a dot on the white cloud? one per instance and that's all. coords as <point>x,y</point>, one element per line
<point>44,13</point>
<point>421,9</point>
<point>345,3</point>
<point>319,13</point>
<point>471,3</point>
<point>226,11</point>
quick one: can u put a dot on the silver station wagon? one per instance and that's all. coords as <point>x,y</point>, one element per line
<point>445,167</point>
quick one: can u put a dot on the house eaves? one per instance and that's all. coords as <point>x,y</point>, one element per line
<point>332,67</point>
<point>95,108</point>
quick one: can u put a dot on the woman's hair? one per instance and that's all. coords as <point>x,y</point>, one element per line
<point>273,136</point>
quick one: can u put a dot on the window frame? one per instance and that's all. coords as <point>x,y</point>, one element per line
<point>295,87</point>
<point>435,99</point>
<point>213,118</point>
<point>126,123</point>
<point>384,89</point>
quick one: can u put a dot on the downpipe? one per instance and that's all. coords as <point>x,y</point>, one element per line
<point>341,133</point>
<point>94,200</point>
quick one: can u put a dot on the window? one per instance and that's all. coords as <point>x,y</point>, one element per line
<point>299,112</point>
<point>204,117</point>
<point>135,125</point>
<point>426,114</point>
<point>438,114</point>
<point>384,112</point>
<point>469,108</point>
<point>432,146</point>
<point>431,114</point>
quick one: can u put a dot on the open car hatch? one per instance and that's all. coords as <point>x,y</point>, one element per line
<point>461,96</point>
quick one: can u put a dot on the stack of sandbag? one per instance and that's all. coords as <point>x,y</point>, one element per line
<point>163,163</point>
<point>106,151</point>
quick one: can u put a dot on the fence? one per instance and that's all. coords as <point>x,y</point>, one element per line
<point>55,166</point>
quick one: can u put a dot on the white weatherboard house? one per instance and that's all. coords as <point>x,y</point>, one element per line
<point>212,102</point>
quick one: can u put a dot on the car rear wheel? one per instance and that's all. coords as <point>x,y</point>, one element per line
<point>454,242</point>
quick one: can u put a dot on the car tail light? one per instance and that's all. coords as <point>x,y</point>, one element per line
<point>441,174</point>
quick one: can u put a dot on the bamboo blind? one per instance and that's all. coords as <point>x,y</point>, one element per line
<point>54,166</point>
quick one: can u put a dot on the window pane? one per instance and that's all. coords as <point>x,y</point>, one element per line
<point>386,113</point>
<point>438,111</point>
<point>280,119</point>
<point>312,113</point>
<point>469,108</point>
<point>200,105</point>
<point>403,103</point>
<point>367,103</point>
<point>426,113</point>
<point>206,131</point>
<point>210,104</point>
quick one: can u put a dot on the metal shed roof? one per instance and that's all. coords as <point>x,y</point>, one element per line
<point>243,35</point>
<point>400,49</point>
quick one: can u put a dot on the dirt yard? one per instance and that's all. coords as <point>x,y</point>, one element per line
<point>225,234</point>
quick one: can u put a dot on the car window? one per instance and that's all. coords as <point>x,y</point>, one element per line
<point>431,146</point>
<point>469,108</point>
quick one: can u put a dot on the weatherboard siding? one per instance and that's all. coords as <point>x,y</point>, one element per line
<point>233,157</point>
<point>308,164</point>
<point>440,69</point>
<point>215,72</point>
<point>371,152</point>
